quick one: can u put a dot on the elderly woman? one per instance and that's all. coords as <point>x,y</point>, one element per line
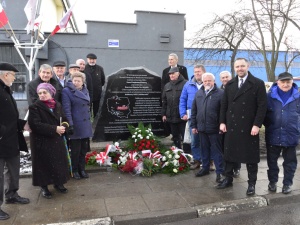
<point>49,153</point>
<point>76,105</point>
<point>170,105</point>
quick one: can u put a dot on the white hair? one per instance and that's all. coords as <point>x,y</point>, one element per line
<point>208,74</point>
<point>225,71</point>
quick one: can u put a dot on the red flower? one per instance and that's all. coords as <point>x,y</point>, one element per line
<point>140,148</point>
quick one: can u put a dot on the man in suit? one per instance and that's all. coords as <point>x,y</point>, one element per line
<point>172,60</point>
<point>243,110</point>
<point>12,140</point>
<point>225,76</point>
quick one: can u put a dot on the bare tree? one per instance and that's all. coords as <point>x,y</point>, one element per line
<point>222,35</point>
<point>260,26</point>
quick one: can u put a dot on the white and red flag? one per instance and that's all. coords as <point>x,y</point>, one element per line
<point>64,21</point>
<point>3,17</point>
<point>30,11</point>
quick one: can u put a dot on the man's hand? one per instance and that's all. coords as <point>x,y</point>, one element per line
<point>185,117</point>
<point>254,130</point>
<point>194,131</point>
<point>223,127</point>
<point>164,118</point>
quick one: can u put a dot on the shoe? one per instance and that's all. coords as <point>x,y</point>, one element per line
<point>225,183</point>
<point>3,215</point>
<point>251,189</point>
<point>83,174</point>
<point>45,192</point>
<point>236,173</point>
<point>60,188</point>
<point>196,165</point>
<point>17,199</point>
<point>76,176</point>
<point>212,166</point>
<point>202,173</point>
<point>219,178</point>
<point>272,186</point>
<point>286,189</point>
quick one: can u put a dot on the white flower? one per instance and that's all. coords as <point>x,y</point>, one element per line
<point>170,156</point>
<point>147,137</point>
<point>147,131</point>
<point>167,163</point>
<point>140,131</point>
<point>175,162</point>
<point>177,156</point>
<point>135,133</point>
<point>135,140</point>
<point>136,128</point>
<point>175,170</point>
<point>133,136</point>
<point>151,133</point>
<point>167,153</point>
<point>164,158</point>
<point>117,144</point>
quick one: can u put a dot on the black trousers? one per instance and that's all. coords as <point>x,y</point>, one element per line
<point>252,169</point>
<point>96,105</point>
<point>79,148</point>
<point>177,131</point>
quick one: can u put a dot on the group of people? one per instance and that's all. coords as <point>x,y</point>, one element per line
<point>225,122</point>
<point>60,109</point>
<point>61,105</point>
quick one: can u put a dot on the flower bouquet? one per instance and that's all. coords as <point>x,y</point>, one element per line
<point>175,161</point>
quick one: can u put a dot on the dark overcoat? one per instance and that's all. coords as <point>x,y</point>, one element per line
<point>170,100</point>
<point>48,150</point>
<point>241,109</point>
<point>95,75</point>
<point>76,106</point>
<point>12,140</point>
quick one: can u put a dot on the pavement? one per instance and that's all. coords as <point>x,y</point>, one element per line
<point>113,197</point>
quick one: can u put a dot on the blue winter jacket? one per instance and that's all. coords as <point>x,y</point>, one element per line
<point>76,106</point>
<point>187,96</point>
<point>282,121</point>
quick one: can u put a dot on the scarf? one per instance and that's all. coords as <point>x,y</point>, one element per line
<point>50,103</point>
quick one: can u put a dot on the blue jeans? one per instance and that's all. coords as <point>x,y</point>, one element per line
<point>211,146</point>
<point>195,144</point>
<point>289,163</point>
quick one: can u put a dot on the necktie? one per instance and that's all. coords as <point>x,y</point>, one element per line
<point>241,83</point>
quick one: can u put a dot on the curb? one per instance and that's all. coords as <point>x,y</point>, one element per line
<point>232,206</point>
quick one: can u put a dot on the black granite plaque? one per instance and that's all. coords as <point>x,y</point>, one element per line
<point>130,96</point>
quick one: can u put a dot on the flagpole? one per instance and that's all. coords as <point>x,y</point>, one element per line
<point>2,25</point>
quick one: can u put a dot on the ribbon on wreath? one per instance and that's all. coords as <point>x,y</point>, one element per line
<point>150,155</point>
<point>102,157</point>
<point>176,150</point>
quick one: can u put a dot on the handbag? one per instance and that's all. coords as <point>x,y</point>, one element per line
<point>187,134</point>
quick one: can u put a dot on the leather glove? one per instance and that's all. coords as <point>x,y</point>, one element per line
<point>71,130</point>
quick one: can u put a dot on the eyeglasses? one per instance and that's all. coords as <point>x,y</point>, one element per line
<point>11,73</point>
<point>42,92</point>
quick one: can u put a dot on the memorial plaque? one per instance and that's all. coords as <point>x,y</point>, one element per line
<point>130,96</point>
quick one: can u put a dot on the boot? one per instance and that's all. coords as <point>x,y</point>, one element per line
<point>196,165</point>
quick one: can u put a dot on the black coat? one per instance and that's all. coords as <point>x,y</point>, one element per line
<point>170,100</point>
<point>165,78</point>
<point>206,110</point>
<point>32,95</point>
<point>48,150</point>
<point>11,127</point>
<point>97,76</point>
<point>241,109</point>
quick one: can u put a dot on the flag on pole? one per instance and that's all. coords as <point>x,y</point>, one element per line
<point>3,17</point>
<point>64,21</point>
<point>30,11</point>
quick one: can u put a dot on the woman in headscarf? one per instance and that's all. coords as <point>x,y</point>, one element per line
<point>76,105</point>
<point>48,149</point>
